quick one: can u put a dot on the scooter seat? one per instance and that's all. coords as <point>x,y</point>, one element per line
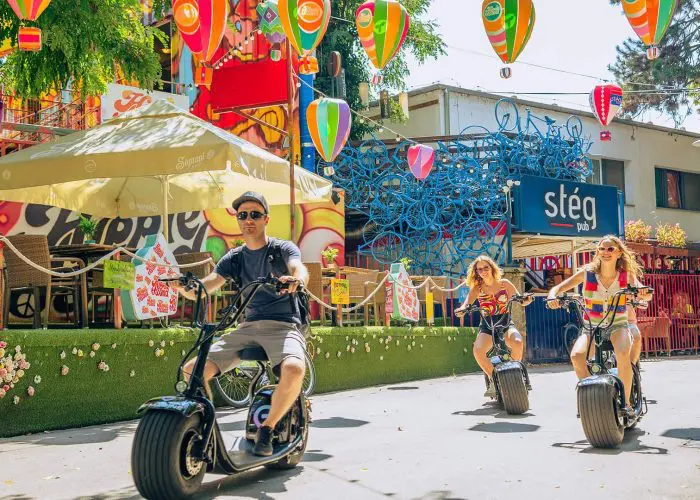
<point>253,354</point>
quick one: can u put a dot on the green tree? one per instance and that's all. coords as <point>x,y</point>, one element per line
<point>678,67</point>
<point>83,41</point>
<point>423,41</point>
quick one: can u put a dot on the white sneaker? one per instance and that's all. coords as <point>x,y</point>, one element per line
<point>491,391</point>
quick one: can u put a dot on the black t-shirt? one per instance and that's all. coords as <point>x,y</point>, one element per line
<point>255,264</point>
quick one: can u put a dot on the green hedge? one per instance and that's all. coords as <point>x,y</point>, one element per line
<point>88,395</point>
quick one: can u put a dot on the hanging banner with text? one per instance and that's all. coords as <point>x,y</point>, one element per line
<point>118,274</point>
<point>340,291</point>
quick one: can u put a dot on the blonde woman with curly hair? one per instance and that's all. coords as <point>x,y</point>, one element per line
<point>612,269</point>
<point>487,285</point>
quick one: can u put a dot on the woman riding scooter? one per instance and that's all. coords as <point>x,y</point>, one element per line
<point>613,268</point>
<point>487,285</point>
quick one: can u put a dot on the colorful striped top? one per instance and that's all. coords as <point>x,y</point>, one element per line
<point>599,299</point>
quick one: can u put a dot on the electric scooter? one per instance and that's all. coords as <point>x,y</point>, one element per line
<point>178,439</point>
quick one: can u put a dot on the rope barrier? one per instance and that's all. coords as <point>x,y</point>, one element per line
<point>94,265</point>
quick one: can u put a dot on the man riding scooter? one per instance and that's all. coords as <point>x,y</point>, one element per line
<point>273,321</point>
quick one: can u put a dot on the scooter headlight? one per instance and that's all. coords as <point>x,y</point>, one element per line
<point>181,386</point>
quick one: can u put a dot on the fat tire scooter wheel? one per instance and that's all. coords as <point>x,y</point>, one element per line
<point>599,416</point>
<point>513,391</point>
<point>160,462</point>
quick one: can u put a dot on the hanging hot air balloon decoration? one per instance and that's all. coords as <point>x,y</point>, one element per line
<point>606,101</point>
<point>650,19</point>
<point>508,24</point>
<point>329,124</point>
<point>420,160</point>
<point>201,24</point>
<point>29,37</point>
<point>270,26</point>
<point>305,23</point>
<point>382,26</point>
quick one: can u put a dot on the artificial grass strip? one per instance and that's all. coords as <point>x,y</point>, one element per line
<point>88,395</point>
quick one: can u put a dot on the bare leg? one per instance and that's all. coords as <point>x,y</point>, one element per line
<point>622,343</point>
<point>211,370</point>
<point>579,354</point>
<point>482,345</point>
<point>288,389</point>
<point>636,343</point>
<point>515,342</point>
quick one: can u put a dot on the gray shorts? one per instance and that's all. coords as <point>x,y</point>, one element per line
<point>279,339</point>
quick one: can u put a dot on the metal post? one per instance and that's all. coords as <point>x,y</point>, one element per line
<point>290,135</point>
<point>509,230</point>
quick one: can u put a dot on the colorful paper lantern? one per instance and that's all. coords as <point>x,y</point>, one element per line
<point>650,19</point>
<point>420,160</point>
<point>269,22</point>
<point>382,26</point>
<point>606,101</point>
<point>329,124</point>
<point>201,24</point>
<point>305,23</point>
<point>29,38</point>
<point>508,24</point>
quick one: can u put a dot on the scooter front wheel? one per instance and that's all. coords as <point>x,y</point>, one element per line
<point>599,409</point>
<point>161,457</point>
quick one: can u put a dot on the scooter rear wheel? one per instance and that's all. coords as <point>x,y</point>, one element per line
<point>598,407</point>
<point>161,461</point>
<point>292,460</point>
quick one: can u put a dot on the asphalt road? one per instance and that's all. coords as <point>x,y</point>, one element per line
<point>433,439</point>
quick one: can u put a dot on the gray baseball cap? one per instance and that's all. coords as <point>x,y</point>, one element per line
<point>251,196</point>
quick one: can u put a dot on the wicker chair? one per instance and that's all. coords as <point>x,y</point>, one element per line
<point>362,283</point>
<point>318,286</point>
<point>200,271</point>
<point>24,278</point>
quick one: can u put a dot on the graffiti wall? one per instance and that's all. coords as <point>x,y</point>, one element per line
<point>248,76</point>
<point>318,226</point>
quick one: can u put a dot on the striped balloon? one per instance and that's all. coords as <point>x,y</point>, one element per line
<point>382,26</point>
<point>201,24</point>
<point>329,124</point>
<point>304,22</point>
<point>28,9</point>
<point>650,19</point>
<point>508,24</point>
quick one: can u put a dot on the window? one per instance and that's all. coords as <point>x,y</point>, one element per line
<point>611,173</point>
<point>676,189</point>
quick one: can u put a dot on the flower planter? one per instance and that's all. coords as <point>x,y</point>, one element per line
<point>671,251</point>
<point>640,248</point>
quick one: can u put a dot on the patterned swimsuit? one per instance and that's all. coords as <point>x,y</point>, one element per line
<point>494,306</point>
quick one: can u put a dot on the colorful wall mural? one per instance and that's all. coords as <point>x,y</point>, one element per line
<point>249,74</point>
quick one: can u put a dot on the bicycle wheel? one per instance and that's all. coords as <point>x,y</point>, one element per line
<point>309,378</point>
<point>233,386</point>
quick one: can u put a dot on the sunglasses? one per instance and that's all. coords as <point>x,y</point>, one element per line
<point>607,249</point>
<point>482,269</point>
<point>254,215</point>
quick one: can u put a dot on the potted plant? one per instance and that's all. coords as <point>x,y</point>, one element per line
<point>406,263</point>
<point>673,236</point>
<point>89,228</point>
<point>329,255</point>
<point>637,234</point>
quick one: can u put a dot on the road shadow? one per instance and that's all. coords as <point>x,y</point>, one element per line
<point>686,434</point>
<point>504,427</point>
<point>315,456</point>
<point>438,495</point>
<point>232,426</point>
<point>491,409</point>
<point>631,443</point>
<point>338,423</point>
<point>260,484</point>
<point>85,435</point>
<point>402,388</point>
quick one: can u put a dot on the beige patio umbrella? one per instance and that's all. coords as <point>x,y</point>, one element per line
<point>156,160</point>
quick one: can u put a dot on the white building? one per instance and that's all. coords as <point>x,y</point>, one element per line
<point>656,167</point>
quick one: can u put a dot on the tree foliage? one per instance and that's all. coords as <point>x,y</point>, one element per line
<point>83,42</point>
<point>678,67</point>
<point>422,41</point>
